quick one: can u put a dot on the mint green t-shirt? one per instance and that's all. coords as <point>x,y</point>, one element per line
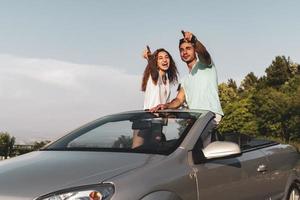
<point>201,88</point>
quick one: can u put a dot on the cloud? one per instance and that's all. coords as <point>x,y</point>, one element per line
<point>44,98</point>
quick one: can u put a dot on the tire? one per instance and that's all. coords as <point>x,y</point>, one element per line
<point>294,193</point>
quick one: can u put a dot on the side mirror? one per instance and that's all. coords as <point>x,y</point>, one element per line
<point>220,149</point>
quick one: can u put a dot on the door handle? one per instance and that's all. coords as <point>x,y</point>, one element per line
<point>261,168</point>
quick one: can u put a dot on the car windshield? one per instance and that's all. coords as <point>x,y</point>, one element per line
<point>141,132</point>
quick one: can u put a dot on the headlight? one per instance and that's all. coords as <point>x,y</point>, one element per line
<point>90,192</point>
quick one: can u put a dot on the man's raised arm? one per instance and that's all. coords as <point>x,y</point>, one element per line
<point>200,49</point>
<point>202,53</point>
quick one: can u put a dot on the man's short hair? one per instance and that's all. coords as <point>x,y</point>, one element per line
<point>193,41</point>
<point>182,40</point>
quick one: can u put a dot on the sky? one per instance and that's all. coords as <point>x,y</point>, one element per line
<point>64,63</point>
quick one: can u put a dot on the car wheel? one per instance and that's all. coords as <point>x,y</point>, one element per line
<point>294,193</point>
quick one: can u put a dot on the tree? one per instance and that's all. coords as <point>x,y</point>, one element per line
<point>227,94</point>
<point>232,84</point>
<point>38,145</point>
<point>249,82</point>
<point>239,118</point>
<point>272,110</point>
<point>294,125</point>
<point>267,105</point>
<point>294,68</point>
<point>291,86</point>
<point>6,144</point>
<point>278,72</point>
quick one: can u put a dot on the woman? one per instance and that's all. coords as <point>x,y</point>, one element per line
<point>159,73</point>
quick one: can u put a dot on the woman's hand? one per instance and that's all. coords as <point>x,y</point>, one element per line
<point>146,53</point>
<point>159,107</point>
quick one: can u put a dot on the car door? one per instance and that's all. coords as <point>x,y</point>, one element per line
<point>240,177</point>
<point>233,178</point>
<point>282,159</point>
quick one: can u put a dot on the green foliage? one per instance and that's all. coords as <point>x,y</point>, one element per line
<point>238,118</point>
<point>291,86</point>
<point>6,144</point>
<point>294,125</point>
<point>232,84</point>
<point>279,71</point>
<point>249,82</point>
<point>9,149</point>
<point>227,94</point>
<point>265,106</point>
<point>272,112</point>
<point>39,144</point>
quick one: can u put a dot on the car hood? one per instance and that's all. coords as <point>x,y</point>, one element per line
<point>42,172</point>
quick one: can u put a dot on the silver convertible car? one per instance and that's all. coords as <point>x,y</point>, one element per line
<point>179,156</point>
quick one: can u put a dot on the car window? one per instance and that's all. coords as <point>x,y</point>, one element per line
<point>211,134</point>
<point>206,137</point>
<point>246,142</point>
<point>119,134</point>
<point>112,134</point>
<point>160,133</point>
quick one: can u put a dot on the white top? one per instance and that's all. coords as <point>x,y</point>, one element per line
<point>156,94</point>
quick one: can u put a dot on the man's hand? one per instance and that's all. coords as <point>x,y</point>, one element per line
<point>203,54</point>
<point>188,36</point>
<point>159,107</point>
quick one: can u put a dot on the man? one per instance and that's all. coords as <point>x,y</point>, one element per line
<point>199,89</point>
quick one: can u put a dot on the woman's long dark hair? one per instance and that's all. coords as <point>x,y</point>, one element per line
<point>152,69</point>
